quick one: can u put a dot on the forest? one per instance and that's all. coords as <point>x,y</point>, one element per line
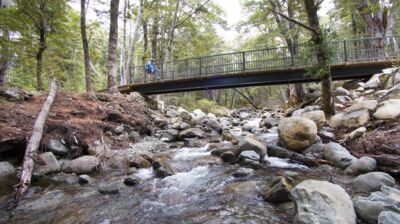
<point>200,111</point>
<point>71,40</point>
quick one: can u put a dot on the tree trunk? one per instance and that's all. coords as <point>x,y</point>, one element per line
<point>33,144</point>
<point>4,58</point>
<point>133,39</point>
<point>123,77</point>
<point>154,37</point>
<point>85,44</point>
<point>322,57</point>
<point>374,25</point>
<point>112,47</point>
<point>280,152</point>
<point>39,59</point>
<point>170,43</point>
<point>145,42</point>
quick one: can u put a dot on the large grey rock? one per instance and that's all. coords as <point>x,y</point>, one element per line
<point>356,133</point>
<point>6,170</point>
<point>341,92</point>
<point>214,124</point>
<point>228,156</point>
<point>389,109</point>
<point>57,147</point>
<point>243,172</point>
<point>369,208</point>
<point>49,164</point>
<point>318,116</point>
<point>185,115</point>
<point>373,181</point>
<point>370,105</point>
<point>279,191</point>
<point>363,165</point>
<point>338,155</point>
<point>356,118</point>
<point>388,217</point>
<point>252,155</point>
<point>393,93</point>
<point>81,165</point>
<point>251,144</point>
<point>321,202</point>
<point>162,168</point>
<point>14,94</point>
<point>112,188</point>
<point>297,133</point>
<point>171,135</point>
<point>191,133</point>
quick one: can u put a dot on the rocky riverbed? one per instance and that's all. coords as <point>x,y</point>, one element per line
<point>177,166</point>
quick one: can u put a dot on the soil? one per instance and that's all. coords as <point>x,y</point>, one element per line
<point>381,142</point>
<point>75,118</point>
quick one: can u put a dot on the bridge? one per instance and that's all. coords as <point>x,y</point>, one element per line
<point>350,59</point>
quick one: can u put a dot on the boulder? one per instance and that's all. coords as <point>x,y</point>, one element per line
<point>353,119</point>
<point>339,155</point>
<point>243,172</point>
<point>356,133</point>
<point>373,83</point>
<point>81,165</point>
<point>214,124</point>
<point>341,92</point>
<point>162,168</point>
<point>370,105</point>
<point>112,188</point>
<point>229,157</point>
<point>389,109</point>
<point>171,114</point>
<point>251,144</point>
<point>388,217</point>
<point>139,162</point>
<point>373,181</point>
<point>85,179</point>
<point>252,155</point>
<point>363,165</point>
<point>57,147</point>
<point>119,130</point>
<point>191,133</point>
<point>323,203</point>
<point>100,150</point>
<point>14,94</point>
<point>392,93</point>
<point>50,164</point>
<point>279,191</point>
<point>6,170</point>
<point>297,133</point>
<point>185,115</point>
<point>369,208</point>
<point>318,116</point>
<point>131,181</point>
<point>170,134</point>
<point>184,126</point>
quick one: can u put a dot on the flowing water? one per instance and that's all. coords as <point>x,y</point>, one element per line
<point>202,190</point>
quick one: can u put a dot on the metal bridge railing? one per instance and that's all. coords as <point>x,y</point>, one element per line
<point>302,55</point>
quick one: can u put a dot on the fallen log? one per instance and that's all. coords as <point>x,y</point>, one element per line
<point>33,144</point>
<point>277,151</point>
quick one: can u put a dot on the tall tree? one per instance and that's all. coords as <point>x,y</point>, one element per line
<point>290,34</point>
<point>85,44</point>
<point>133,39</point>
<point>5,54</point>
<point>45,18</point>
<point>320,46</point>
<point>170,42</point>
<point>123,80</point>
<point>112,47</point>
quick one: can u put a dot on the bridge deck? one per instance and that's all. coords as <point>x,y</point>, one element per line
<point>358,58</point>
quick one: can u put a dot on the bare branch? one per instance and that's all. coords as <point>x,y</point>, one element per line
<point>295,21</point>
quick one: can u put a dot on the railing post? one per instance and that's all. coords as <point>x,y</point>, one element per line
<point>200,67</point>
<point>345,51</point>
<point>186,68</point>
<point>244,60</point>
<point>162,71</point>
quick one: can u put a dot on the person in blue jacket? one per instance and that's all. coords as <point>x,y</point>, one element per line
<point>151,69</point>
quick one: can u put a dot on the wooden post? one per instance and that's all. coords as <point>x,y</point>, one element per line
<point>33,144</point>
<point>345,50</point>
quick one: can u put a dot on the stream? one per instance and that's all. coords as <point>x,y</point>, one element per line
<point>202,190</point>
